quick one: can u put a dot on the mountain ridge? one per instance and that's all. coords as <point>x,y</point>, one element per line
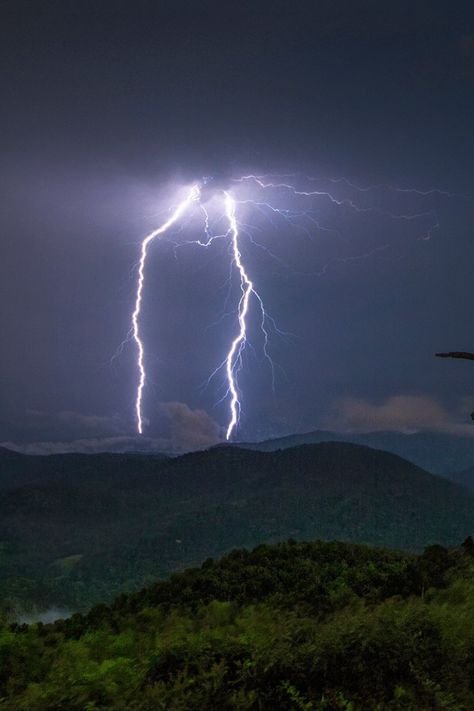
<point>438,452</point>
<point>127,520</point>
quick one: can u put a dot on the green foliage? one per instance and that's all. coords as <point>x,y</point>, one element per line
<point>294,627</point>
<point>76,529</point>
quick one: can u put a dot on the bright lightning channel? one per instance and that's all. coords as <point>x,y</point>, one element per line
<point>233,358</point>
<point>232,362</point>
<point>238,343</point>
<point>192,196</point>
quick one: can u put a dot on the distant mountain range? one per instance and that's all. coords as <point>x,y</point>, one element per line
<point>437,452</point>
<point>75,529</point>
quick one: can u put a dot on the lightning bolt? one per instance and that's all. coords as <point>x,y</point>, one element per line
<point>238,344</point>
<point>233,360</point>
<point>234,355</point>
<point>192,196</point>
<point>345,202</point>
<point>298,219</point>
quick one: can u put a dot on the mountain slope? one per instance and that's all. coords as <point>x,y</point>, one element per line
<point>436,452</point>
<point>465,478</point>
<point>23,469</point>
<point>106,523</point>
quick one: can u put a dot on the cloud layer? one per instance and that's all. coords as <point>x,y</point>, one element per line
<point>401,413</point>
<point>183,428</point>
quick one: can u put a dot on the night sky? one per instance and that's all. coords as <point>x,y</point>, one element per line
<point>111,108</point>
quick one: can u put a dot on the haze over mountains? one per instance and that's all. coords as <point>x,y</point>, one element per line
<point>77,529</point>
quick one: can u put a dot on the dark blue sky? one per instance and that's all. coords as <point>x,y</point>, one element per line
<point>107,108</point>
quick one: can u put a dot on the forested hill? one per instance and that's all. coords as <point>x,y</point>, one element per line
<point>294,627</point>
<point>78,529</point>
<point>438,452</point>
<point>102,469</point>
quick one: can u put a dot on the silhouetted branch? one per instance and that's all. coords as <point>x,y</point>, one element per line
<point>456,354</point>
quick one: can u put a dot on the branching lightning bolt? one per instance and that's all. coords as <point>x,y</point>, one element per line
<point>305,220</point>
<point>175,216</point>
<point>239,341</point>
<point>233,359</point>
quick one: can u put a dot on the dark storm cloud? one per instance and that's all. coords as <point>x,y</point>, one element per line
<point>107,108</point>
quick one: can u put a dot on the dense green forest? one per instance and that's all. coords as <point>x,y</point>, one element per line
<point>294,626</point>
<point>79,529</point>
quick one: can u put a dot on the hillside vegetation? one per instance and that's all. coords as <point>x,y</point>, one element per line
<point>76,529</point>
<point>295,626</point>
